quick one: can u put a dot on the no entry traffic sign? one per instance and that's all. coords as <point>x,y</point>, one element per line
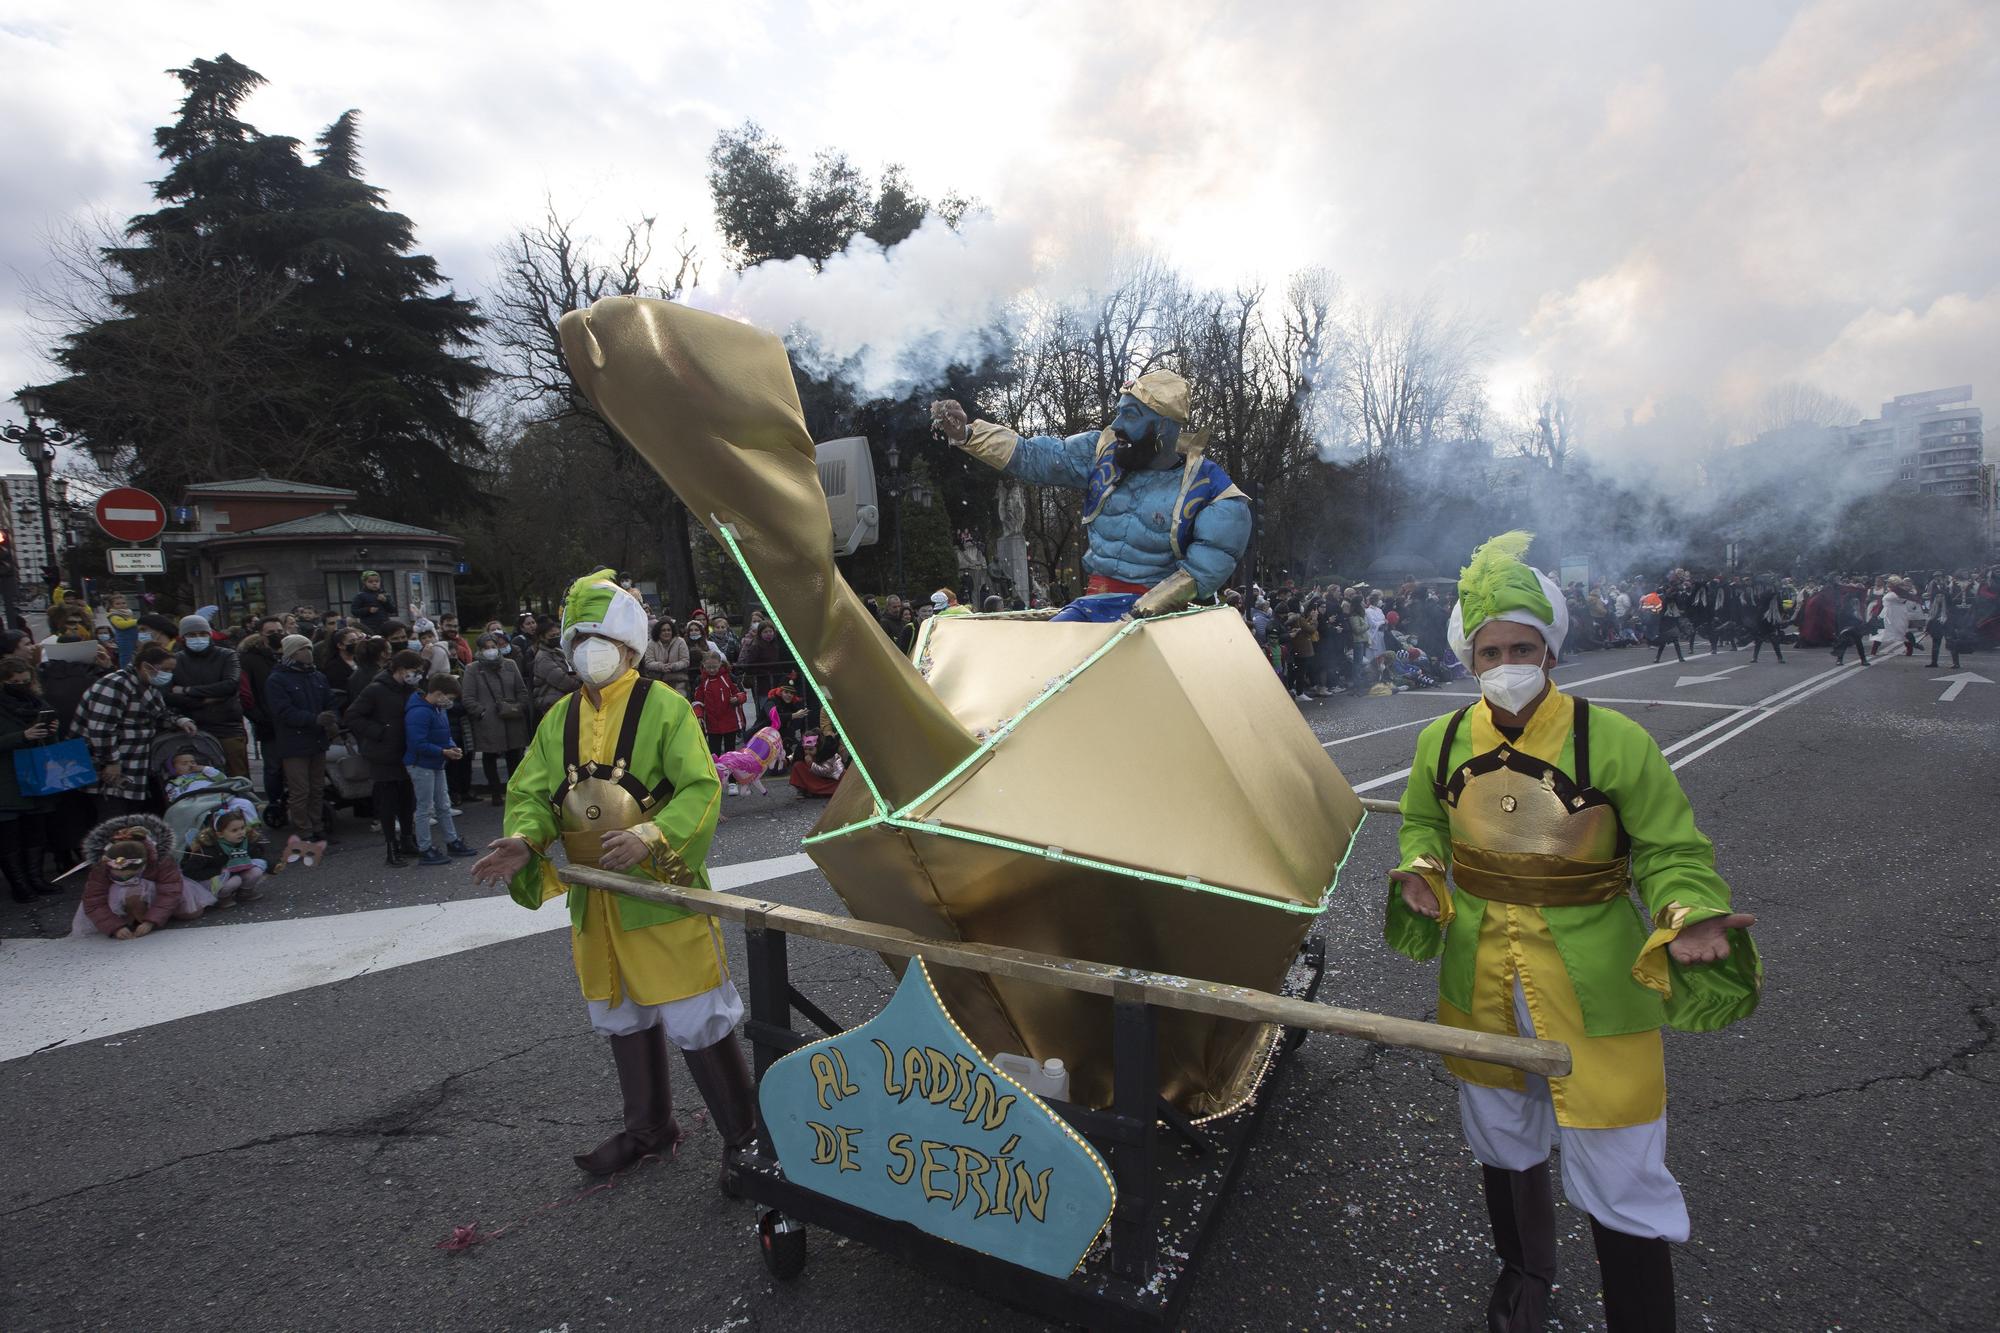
<point>130,514</point>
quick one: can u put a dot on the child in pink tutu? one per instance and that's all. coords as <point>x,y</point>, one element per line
<point>134,885</point>
<point>748,765</point>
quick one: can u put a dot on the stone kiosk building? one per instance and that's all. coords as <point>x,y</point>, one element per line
<point>262,544</point>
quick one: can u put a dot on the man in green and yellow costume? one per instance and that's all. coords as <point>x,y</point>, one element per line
<point>1529,818</point>
<point>619,770</point>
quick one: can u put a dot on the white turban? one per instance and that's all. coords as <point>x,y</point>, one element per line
<point>1552,634</point>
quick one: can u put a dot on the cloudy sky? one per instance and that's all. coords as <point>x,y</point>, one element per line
<point>1662,202</point>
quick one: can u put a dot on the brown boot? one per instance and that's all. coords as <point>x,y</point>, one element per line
<point>1638,1274</point>
<point>1522,1208</point>
<point>723,1077</point>
<point>650,1128</point>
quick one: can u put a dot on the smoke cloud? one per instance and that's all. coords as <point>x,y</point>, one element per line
<point>887,319</point>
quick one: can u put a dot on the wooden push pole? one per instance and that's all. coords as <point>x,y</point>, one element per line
<point>1548,1058</point>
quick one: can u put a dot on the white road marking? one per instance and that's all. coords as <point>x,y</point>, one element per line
<point>1383,731</point>
<point>1607,699</point>
<point>1958,684</point>
<point>1683,681</point>
<point>1827,680</point>
<point>1741,717</point>
<point>88,987</point>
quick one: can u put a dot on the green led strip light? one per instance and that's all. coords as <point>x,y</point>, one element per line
<point>825,700</point>
<point>1006,728</point>
<point>899,818</point>
<point>1353,841</point>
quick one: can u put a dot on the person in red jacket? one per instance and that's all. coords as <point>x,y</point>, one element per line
<point>716,699</point>
<point>134,886</point>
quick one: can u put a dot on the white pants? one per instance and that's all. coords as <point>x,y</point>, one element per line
<point>1618,1176</point>
<point>691,1023</point>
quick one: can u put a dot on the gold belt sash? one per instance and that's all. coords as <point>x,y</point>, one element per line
<point>1537,879</point>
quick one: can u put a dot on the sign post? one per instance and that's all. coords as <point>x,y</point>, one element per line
<point>132,515</point>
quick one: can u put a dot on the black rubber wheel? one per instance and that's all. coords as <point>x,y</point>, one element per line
<point>783,1243</point>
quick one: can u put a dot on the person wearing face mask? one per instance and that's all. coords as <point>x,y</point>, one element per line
<point>26,722</point>
<point>302,707</point>
<point>666,658</point>
<point>496,699</point>
<point>1545,813</point>
<point>554,679</point>
<point>377,717</point>
<point>619,772</point>
<point>1164,523</point>
<point>118,716</point>
<point>207,687</point>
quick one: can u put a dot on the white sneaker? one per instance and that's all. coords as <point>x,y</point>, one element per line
<point>455,813</point>
<point>1303,697</point>
<point>433,819</point>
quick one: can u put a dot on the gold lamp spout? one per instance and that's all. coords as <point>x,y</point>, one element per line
<point>711,405</point>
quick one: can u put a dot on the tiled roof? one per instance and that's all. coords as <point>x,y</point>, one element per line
<point>261,485</point>
<point>339,523</point>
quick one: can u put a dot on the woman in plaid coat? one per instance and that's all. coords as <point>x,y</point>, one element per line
<point>119,716</point>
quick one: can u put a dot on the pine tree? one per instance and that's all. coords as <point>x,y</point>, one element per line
<point>272,315</point>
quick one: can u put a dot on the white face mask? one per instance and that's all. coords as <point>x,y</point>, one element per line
<point>596,661</point>
<point>1513,687</point>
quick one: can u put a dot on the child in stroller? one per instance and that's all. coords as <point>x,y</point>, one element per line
<point>190,772</point>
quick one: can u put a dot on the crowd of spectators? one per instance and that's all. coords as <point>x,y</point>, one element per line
<point>1332,639</point>
<point>406,718</point>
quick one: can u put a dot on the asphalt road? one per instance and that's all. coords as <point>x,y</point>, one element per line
<point>293,1162</point>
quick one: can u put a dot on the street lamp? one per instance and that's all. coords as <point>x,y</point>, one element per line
<point>896,501</point>
<point>38,446</point>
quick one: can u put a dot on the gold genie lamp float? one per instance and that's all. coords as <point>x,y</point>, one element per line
<point>1143,794</point>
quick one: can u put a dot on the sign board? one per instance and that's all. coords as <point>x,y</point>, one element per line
<point>904,1117</point>
<point>143,560</point>
<point>130,514</point>
<point>1918,402</point>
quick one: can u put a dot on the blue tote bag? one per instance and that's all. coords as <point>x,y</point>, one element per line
<point>47,770</point>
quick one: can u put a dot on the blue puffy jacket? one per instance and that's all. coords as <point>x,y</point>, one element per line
<point>426,732</point>
<point>1132,537</point>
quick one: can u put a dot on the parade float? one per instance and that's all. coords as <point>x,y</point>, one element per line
<point>1098,849</point>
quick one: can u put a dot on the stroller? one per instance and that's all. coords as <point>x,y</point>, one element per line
<point>186,813</point>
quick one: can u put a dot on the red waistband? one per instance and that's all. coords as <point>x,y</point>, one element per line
<point>1099,584</point>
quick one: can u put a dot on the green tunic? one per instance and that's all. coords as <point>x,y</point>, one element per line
<point>654,952</point>
<point>1614,954</point>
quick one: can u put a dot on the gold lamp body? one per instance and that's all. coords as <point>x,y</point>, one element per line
<point>1142,794</point>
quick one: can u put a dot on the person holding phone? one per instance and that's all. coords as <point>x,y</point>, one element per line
<point>25,720</point>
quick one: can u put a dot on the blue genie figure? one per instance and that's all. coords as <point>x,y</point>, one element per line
<point>1165,524</point>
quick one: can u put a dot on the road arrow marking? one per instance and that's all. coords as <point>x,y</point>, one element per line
<point>1958,684</point>
<point>1703,680</point>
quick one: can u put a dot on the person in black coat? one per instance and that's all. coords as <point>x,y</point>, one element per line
<point>63,684</point>
<point>376,719</point>
<point>300,703</point>
<point>258,656</point>
<point>207,687</point>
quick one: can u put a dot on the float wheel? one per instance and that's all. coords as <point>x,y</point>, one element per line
<point>783,1244</point>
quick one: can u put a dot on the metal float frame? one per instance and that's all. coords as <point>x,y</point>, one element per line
<point>1160,1160</point>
